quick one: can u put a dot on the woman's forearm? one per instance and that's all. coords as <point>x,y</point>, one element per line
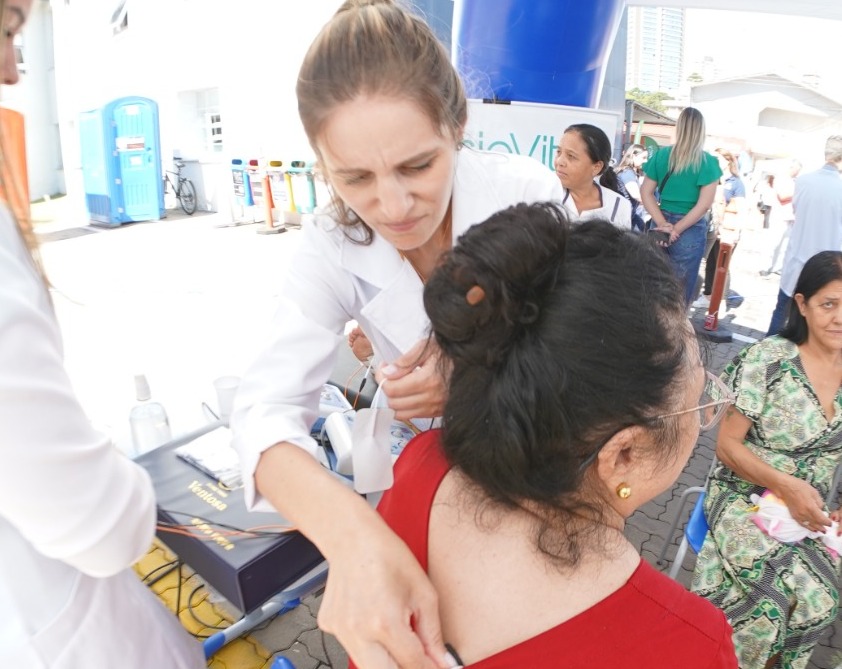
<point>647,197</point>
<point>320,506</point>
<point>703,204</point>
<point>748,466</point>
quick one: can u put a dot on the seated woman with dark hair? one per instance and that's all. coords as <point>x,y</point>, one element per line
<point>784,434</point>
<point>574,399</point>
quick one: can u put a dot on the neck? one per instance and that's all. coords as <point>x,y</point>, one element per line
<point>425,258</point>
<point>598,525</point>
<point>582,191</point>
<point>828,356</point>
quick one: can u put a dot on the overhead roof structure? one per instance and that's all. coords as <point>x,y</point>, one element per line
<point>823,9</point>
<point>640,112</point>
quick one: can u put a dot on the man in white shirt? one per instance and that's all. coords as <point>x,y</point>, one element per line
<point>817,203</point>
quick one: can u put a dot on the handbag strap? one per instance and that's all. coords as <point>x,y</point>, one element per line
<point>664,182</point>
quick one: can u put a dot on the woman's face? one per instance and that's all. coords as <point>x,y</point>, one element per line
<point>640,158</point>
<point>573,165</point>
<point>14,17</point>
<point>823,313</point>
<point>387,162</point>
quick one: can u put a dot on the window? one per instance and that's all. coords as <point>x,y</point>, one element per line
<point>200,132</point>
<point>213,128</point>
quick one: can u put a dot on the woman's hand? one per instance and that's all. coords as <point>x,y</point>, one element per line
<point>837,517</point>
<point>378,601</point>
<point>414,383</point>
<point>360,344</point>
<point>803,501</point>
<point>667,229</point>
<point>381,606</point>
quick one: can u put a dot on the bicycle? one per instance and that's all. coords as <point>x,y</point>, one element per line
<point>185,191</point>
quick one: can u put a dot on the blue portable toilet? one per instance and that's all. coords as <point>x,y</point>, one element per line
<point>121,161</point>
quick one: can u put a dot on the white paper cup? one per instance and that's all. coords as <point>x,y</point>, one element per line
<point>226,388</point>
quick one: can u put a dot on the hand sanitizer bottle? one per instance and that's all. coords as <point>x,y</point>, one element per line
<point>148,420</point>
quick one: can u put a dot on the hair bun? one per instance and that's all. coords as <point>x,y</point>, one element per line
<point>529,313</point>
<point>494,282</point>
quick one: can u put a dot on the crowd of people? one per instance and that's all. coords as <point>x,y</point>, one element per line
<point>478,281</point>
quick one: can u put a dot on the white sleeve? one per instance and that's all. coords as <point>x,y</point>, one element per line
<point>540,183</point>
<point>68,490</point>
<point>278,398</point>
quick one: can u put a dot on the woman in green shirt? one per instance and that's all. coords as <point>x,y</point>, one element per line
<point>686,177</point>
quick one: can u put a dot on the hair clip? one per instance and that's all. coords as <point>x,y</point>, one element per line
<point>475,295</point>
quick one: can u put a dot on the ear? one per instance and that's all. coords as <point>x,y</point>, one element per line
<point>801,302</point>
<point>597,168</point>
<point>622,461</point>
<point>621,455</point>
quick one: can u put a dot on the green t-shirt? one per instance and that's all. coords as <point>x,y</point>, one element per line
<point>682,190</point>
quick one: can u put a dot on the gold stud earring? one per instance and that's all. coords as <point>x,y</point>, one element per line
<point>623,491</point>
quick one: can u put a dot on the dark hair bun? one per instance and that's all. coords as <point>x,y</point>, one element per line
<point>574,332</point>
<point>515,265</point>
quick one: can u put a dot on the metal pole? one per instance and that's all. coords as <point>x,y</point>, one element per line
<point>726,249</point>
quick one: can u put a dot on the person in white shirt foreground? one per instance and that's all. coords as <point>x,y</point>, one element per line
<point>75,512</point>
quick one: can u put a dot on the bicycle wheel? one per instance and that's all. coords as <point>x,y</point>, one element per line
<point>187,197</point>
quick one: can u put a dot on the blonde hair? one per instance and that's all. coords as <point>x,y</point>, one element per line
<point>627,161</point>
<point>733,163</point>
<point>689,138</point>
<point>11,190</point>
<point>375,47</point>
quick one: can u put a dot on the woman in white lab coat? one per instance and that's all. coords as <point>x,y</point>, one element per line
<point>75,513</point>
<point>385,112</point>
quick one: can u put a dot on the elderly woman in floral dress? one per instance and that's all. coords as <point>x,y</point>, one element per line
<point>784,434</point>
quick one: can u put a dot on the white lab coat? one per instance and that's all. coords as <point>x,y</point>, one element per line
<point>74,511</point>
<point>615,208</point>
<point>332,281</point>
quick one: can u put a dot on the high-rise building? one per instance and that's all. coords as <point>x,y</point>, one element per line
<point>655,48</point>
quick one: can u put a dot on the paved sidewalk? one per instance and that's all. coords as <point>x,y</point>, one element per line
<point>185,300</point>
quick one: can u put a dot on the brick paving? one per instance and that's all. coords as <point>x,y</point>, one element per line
<point>230,293</point>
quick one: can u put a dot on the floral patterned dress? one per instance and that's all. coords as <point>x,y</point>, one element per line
<point>779,598</point>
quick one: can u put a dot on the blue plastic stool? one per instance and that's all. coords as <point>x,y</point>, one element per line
<point>697,527</point>
<point>695,532</point>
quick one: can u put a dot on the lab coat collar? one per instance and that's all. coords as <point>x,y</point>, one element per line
<point>376,263</point>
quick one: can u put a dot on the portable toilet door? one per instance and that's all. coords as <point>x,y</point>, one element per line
<point>137,156</point>
<point>103,200</point>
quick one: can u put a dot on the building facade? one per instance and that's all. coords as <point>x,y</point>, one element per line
<point>655,48</point>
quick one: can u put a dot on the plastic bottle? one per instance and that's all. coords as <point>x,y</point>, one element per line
<point>148,420</point>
